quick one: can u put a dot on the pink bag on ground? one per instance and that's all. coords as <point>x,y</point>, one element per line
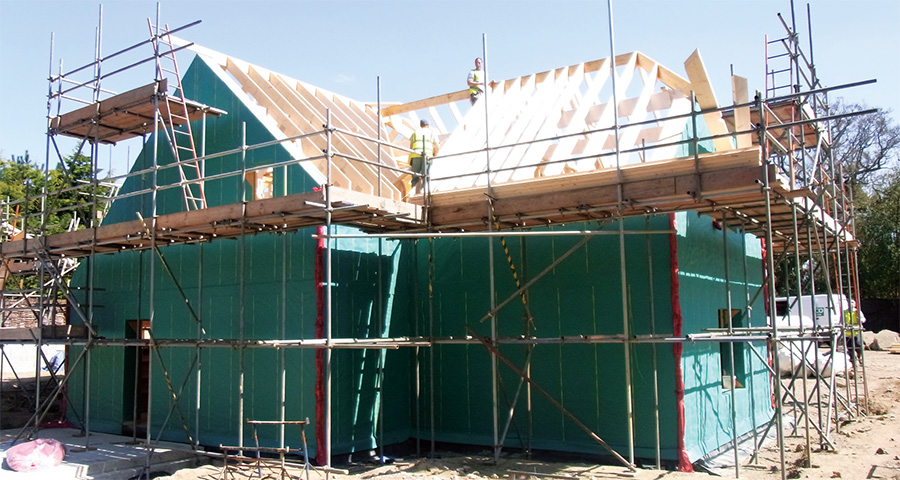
<point>35,455</point>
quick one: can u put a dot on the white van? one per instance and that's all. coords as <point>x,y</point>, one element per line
<point>826,311</point>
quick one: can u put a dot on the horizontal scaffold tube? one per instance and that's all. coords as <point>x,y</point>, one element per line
<point>540,233</point>
<point>397,342</point>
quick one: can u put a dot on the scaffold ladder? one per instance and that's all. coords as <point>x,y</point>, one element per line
<point>174,109</point>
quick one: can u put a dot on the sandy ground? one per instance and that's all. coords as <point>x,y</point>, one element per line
<point>866,447</point>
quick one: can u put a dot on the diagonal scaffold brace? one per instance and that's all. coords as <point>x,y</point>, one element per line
<point>493,349</point>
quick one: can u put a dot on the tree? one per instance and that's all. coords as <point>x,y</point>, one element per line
<point>75,170</point>
<point>863,144</point>
<point>878,229</point>
<point>19,178</point>
<point>70,187</point>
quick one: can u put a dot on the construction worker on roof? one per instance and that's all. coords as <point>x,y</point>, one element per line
<point>476,82</point>
<point>424,142</point>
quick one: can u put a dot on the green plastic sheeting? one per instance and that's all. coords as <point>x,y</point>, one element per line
<point>580,296</point>
<point>255,287</point>
<point>263,287</point>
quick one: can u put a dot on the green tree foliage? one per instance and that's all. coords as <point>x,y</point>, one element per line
<point>20,178</point>
<point>863,144</point>
<point>878,228</point>
<point>71,192</point>
<point>76,194</point>
<point>866,145</point>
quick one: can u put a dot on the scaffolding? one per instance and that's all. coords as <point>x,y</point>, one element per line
<point>805,221</point>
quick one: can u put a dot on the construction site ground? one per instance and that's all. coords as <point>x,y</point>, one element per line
<point>867,447</point>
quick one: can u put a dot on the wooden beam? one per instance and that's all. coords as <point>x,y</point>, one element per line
<point>446,98</point>
<point>105,107</point>
<point>671,190</point>
<point>665,75</point>
<point>706,98</point>
<point>434,101</point>
<point>125,116</point>
<point>281,214</point>
<point>739,95</point>
<point>710,162</point>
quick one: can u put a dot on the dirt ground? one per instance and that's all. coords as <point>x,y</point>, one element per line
<point>866,447</point>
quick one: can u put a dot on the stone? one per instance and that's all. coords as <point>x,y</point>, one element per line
<point>884,339</point>
<point>868,338</point>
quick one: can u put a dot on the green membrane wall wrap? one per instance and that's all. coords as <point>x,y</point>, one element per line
<point>257,287</point>
<point>263,287</point>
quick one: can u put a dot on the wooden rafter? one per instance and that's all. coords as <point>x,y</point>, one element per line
<point>706,98</point>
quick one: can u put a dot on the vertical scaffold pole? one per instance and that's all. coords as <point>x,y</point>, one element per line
<point>378,132</point>
<point>382,313</point>
<point>855,273</point>
<point>749,323</point>
<point>770,281</point>
<point>431,391</point>
<point>241,284</point>
<point>327,290</point>
<point>730,325</point>
<point>37,371</point>
<point>652,301</point>
<point>803,345</point>
<point>490,216</point>
<point>199,351</point>
<point>629,408</point>
<point>282,365</point>
<point>153,211</point>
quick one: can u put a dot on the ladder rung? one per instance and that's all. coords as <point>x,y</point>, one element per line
<point>185,148</point>
<point>167,70</point>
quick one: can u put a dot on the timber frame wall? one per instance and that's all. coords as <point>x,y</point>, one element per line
<point>802,210</point>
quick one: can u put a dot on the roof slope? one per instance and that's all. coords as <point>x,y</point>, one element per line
<point>563,121</point>
<point>293,109</point>
<point>550,123</point>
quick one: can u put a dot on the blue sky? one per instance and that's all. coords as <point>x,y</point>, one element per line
<point>425,48</point>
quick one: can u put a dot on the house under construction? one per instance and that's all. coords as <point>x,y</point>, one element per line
<point>589,267</point>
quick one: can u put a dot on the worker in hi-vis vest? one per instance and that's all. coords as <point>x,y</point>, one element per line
<point>424,142</point>
<point>853,333</point>
<point>476,82</point>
